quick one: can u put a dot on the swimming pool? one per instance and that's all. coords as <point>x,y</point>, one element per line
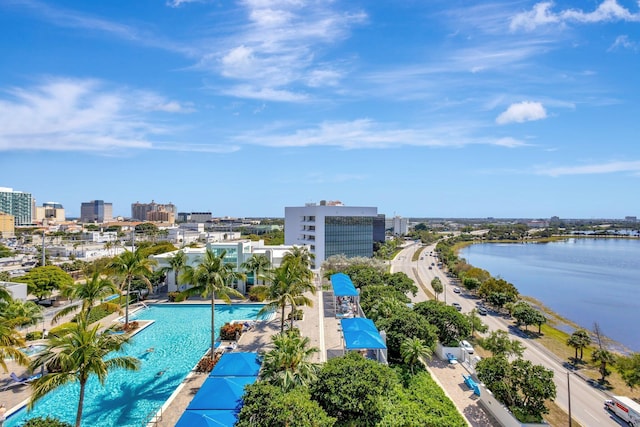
<point>32,350</point>
<point>179,337</point>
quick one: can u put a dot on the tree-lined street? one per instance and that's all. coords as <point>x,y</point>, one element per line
<point>586,401</point>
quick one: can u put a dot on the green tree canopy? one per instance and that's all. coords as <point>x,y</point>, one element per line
<point>604,358</point>
<point>370,296</point>
<point>401,282</point>
<point>522,386</point>
<point>266,406</point>
<point>5,251</point>
<point>421,403</point>
<point>354,389</point>
<point>629,368</point>
<point>364,275</point>
<point>403,325</point>
<point>451,325</point>
<point>42,281</point>
<point>498,291</point>
<point>499,344</point>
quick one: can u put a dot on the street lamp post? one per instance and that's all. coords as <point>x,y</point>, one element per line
<point>569,396</point>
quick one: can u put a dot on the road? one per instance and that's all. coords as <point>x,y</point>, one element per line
<point>586,401</point>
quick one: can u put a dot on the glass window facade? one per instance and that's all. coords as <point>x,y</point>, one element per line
<point>348,235</point>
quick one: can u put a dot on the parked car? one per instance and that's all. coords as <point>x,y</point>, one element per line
<point>482,311</point>
<point>456,290</point>
<point>457,306</point>
<point>466,346</point>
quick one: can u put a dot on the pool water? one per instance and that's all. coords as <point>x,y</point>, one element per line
<point>179,337</point>
<point>32,350</point>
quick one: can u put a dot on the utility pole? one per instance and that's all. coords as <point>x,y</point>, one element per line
<point>44,262</point>
<point>569,396</point>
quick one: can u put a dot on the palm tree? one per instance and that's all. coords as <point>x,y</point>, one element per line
<point>24,313</point>
<point>574,341</point>
<point>584,338</point>
<point>300,259</point>
<point>287,286</point>
<point>288,365</point>
<point>10,341</point>
<point>258,264</point>
<point>177,263</point>
<point>414,349</point>
<point>89,292</point>
<point>604,357</point>
<point>129,266</point>
<point>437,286</point>
<point>75,355</point>
<point>212,277</point>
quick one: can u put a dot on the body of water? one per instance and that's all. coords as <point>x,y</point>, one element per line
<point>584,280</point>
<point>168,350</point>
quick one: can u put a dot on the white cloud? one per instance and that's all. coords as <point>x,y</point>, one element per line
<point>67,18</point>
<point>319,78</point>
<point>79,115</point>
<point>593,169</point>
<point>368,134</point>
<point>265,93</point>
<point>522,112</point>
<point>541,14</point>
<point>178,3</point>
<point>624,43</point>
<point>509,142</point>
<point>280,45</point>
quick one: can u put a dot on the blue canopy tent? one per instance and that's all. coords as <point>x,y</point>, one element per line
<point>221,393</point>
<point>361,334</point>
<point>237,365</point>
<point>208,418</point>
<point>346,295</point>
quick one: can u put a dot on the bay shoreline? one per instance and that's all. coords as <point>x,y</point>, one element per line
<point>555,320</point>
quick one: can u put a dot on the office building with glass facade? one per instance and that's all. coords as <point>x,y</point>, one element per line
<point>96,211</point>
<point>330,228</point>
<point>18,204</point>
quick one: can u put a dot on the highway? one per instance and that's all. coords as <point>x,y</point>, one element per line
<point>586,401</point>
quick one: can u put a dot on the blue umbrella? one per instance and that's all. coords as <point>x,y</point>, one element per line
<point>208,418</point>
<point>237,365</point>
<point>221,393</point>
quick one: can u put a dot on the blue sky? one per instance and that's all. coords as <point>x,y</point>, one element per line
<point>421,108</point>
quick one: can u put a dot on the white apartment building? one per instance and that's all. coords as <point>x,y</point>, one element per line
<point>237,253</point>
<point>330,228</point>
<point>399,226</point>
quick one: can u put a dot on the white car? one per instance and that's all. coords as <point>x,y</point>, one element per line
<point>466,346</point>
<point>456,290</point>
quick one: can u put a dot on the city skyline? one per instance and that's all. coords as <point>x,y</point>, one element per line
<point>522,109</point>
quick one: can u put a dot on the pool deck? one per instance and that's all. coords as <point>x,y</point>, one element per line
<point>319,324</point>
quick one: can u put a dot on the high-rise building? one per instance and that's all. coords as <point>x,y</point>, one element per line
<point>330,228</point>
<point>200,217</point>
<point>153,212</point>
<point>96,211</point>
<point>18,204</point>
<point>50,211</point>
<point>7,225</point>
<point>398,225</point>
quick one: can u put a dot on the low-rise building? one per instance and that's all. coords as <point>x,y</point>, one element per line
<point>236,253</point>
